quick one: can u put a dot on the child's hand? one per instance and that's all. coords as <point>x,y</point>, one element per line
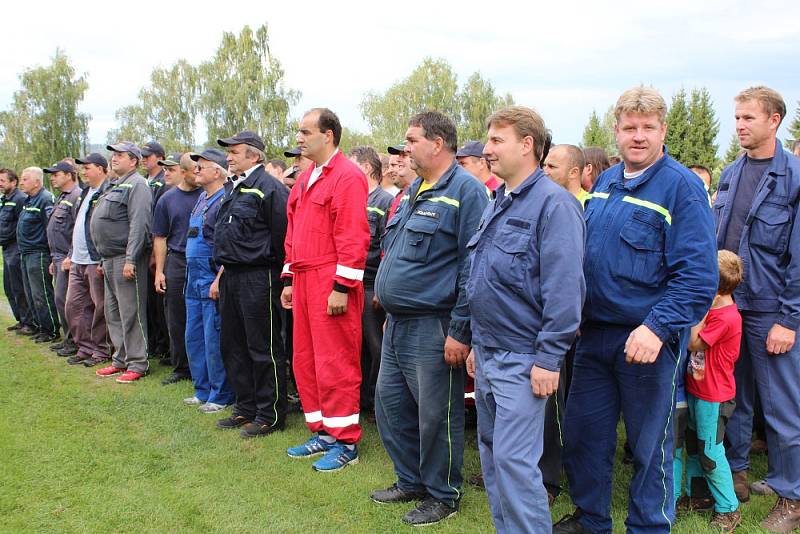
<point>780,339</point>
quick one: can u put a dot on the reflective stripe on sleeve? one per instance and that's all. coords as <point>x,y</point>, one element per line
<point>376,210</point>
<point>257,192</point>
<point>67,202</point>
<point>349,272</point>
<point>649,205</point>
<point>445,200</point>
<point>31,208</point>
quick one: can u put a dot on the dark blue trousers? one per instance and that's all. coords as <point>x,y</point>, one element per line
<point>419,407</point>
<point>39,291</point>
<point>14,287</point>
<point>777,378</point>
<point>603,384</point>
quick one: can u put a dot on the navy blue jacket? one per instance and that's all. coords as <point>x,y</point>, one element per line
<point>32,225</point>
<point>10,209</point>
<point>251,222</point>
<point>651,256</point>
<point>526,285</point>
<point>425,265</point>
<point>770,242</point>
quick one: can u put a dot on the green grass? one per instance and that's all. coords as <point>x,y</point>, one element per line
<point>83,454</point>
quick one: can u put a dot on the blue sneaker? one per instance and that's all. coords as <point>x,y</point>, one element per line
<point>313,447</point>
<point>337,457</point>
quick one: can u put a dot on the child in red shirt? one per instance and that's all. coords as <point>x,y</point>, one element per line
<point>710,389</point>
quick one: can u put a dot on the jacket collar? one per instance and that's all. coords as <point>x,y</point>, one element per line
<point>442,183</point>
<point>253,176</point>
<point>618,176</point>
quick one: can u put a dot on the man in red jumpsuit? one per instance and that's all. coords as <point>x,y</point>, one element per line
<point>326,252</point>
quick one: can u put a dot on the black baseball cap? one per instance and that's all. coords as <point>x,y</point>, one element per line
<point>245,137</point>
<point>292,152</point>
<point>174,159</point>
<point>399,148</point>
<point>471,148</point>
<point>126,146</point>
<point>214,155</point>
<point>152,147</point>
<point>95,158</point>
<point>62,166</point>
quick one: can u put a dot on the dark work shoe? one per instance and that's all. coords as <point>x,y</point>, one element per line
<point>94,360</point>
<point>234,421</point>
<point>67,350</point>
<point>394,495</point>
<point>78,359</point>
<point>174,378</point>
<point>27,331</point>
<point>57,346</point>
<point>694,504</point>
<point>570,524</point>
<point>45,338</point>
<point>726,521</point>
<point>254,430</point>
<point>429,512</point>
<point>14,327</point>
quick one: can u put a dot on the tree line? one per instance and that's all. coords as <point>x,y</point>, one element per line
<point>242,86</point>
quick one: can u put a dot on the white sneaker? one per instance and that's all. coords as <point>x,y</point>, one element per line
<point>192,401</point>
<point>211,407</point>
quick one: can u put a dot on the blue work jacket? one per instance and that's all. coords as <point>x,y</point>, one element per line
<point>651,255</point>
<point>32,224</point>
<point>526,285</point>
<point>10,211</point>
<point>425,264</point>
<point>770,241</point>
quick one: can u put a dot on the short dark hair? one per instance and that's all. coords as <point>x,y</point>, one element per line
<point>12,176</point>
<point>548,142</point>
<point>597,158</point>
<point>328,121</point>
<point>367,154</point>
<point>699,167</point>
<point>436,124</point>
<point>575,157</point>
<point>278,163</point>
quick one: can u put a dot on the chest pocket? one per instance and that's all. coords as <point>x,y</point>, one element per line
<point>769,229</point>
<point>245,207</point>
<point>114,205</point>
<point>642,253</point>
<point>419,233</point>
<point>509,259</point>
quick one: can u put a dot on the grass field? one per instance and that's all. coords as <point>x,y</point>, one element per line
<point>83,454</point>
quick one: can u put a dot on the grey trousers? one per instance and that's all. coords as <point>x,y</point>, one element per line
<point>60,283</point>
<point>126,313</point>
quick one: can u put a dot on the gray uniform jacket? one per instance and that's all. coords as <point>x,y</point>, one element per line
<point>122,218</point>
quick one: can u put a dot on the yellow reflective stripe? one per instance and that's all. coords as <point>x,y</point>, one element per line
<point>650,205</point>
<point>156,184</point>
<point>446,200</point>
<point>598,195</point>
<point>67,202</point>
<point>29,208</point>
<point>376,210</point>
<point>9,203</point>
<point>129,186</point>
<point>256,192</point>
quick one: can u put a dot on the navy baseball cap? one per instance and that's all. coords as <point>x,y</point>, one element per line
<point>214,155</point>
<point>126,146</point>
<point>174,159</point>
<point>399,148</point>
<point>471,148</point>
<point>61,166</point>
<point>245,137</point>
<point>150,148</point>
<point>95,158</point>
<point>292,152</point>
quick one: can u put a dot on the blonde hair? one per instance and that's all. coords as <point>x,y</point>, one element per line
<point>770,99</point>
<point>731,272</point>
<point>526,122</point>
<point>641,99</point>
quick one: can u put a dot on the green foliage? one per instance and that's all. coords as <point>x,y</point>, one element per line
<point>241,87</point>
<point>43,124</point>
<point>433,85</point>
<point>167,110</point>
<point>678,127</point>
<point>734,148</point>
<point>700,144</point>
<point>599,133</point>
<point>794,128</point>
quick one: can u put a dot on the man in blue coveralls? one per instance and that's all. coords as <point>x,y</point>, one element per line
<point>756,210</point>
<point>651,273</point>
<point>525,293</point>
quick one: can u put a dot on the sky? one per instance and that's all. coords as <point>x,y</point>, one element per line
<point>564,58</point>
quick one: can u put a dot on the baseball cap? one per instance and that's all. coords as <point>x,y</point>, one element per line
<point>471,148</point>
<point>151,147</point>
<point>95,158</point>
<point>62,166</point>
<point>245,137</point>
<point>292,152</point>
<point>399,148</point>
<point>212,154</point>
<point>125,146</point>
<point>174,159</point>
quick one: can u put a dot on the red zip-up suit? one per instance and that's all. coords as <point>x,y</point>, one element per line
<point>326,243</point>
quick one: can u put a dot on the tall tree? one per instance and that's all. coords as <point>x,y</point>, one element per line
<point>431,86</point>
<point>242,88</point>
<point>678,127</point>
<point>596,134</point>
<point>734,148</point>
<point>700,146</point>
<point>477,101</point>
<point>43,124</point>
<point>794,128</point>
<point>133,125</point>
